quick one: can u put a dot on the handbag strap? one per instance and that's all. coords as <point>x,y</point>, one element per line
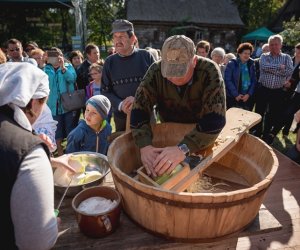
<point>68,90</point>
<point>75,85</point>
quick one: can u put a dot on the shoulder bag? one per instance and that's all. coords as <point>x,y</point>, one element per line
<point>73,101</point>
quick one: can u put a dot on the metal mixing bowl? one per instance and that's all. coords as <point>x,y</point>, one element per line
<point>101,166</point>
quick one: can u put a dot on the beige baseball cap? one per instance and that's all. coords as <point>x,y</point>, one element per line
<point>177,52</point>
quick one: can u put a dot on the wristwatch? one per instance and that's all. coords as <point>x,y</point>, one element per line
<point>184,148</point>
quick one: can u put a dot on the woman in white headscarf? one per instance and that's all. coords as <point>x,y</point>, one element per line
<point>27,190</point>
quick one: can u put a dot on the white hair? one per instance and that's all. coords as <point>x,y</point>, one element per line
<point>274,37</point>
<point>265,48</point>
<point>230,56</point>
<point>218,51</point>
<point>265,45</point>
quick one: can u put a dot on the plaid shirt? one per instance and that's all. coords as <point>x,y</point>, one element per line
<point>272,76</point>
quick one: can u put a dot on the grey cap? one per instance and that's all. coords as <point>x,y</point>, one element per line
<point>101,104</point>
<point>177,53</point>
<point>121,25</point>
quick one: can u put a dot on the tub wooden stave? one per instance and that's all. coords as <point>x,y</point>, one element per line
<point>193,216</point>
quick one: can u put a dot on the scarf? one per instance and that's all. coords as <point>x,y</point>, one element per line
<point>245,78</point>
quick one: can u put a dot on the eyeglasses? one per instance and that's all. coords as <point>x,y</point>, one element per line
<point>15,49</point>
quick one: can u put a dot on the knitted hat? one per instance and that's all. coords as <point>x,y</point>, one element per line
<point>101,104</point>
<point>177,53</point>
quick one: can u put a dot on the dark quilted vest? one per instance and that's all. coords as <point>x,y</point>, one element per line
<point>15,144</point>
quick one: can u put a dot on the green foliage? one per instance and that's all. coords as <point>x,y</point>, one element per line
<point>291,32</point>
<point>44,26</point>
<point>257,13</point>
<point>100,15</point>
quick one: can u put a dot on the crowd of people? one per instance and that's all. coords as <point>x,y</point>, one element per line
<point>265,81</point>
<point>183,82</point>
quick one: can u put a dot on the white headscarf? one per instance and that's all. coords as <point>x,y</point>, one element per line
<point>19,83</point>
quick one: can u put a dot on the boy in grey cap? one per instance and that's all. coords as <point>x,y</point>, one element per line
<point>92,133</point>
<point>123,71</point>
<point>185,88</point>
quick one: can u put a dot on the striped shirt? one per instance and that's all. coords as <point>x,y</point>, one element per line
<point>272,74</point>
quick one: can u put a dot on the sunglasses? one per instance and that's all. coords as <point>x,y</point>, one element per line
<point>29,49</point>
<point>15,49</point>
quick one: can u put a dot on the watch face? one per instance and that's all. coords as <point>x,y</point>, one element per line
<point>184,148</point>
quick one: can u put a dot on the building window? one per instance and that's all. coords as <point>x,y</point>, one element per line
<point>198,35</point>
<point>162,36</point>
<point>156,36</point>
<point>217,39</point>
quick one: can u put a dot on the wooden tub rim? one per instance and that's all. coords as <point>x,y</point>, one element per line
<point>194,203</point>
<point>164,196</point>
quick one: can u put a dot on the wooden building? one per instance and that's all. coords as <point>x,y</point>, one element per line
<point>217,21</point>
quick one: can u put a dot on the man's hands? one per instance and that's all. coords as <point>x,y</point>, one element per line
<point>167,160</point>
<point>287,84</point>
<point>148,156</point>
<point>282,67</point>
<point>158,161</point>
<point>127,104</point>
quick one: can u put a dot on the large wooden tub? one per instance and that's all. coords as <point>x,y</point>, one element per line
<point>193,217</point>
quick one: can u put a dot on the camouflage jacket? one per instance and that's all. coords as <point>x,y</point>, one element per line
<point>201,101</point>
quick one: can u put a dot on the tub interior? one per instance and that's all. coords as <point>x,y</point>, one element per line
<point>246,164</point>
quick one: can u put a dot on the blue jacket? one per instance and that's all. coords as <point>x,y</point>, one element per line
<point>232,77</point>
<point>83,138</point>
<point>58,85</point>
